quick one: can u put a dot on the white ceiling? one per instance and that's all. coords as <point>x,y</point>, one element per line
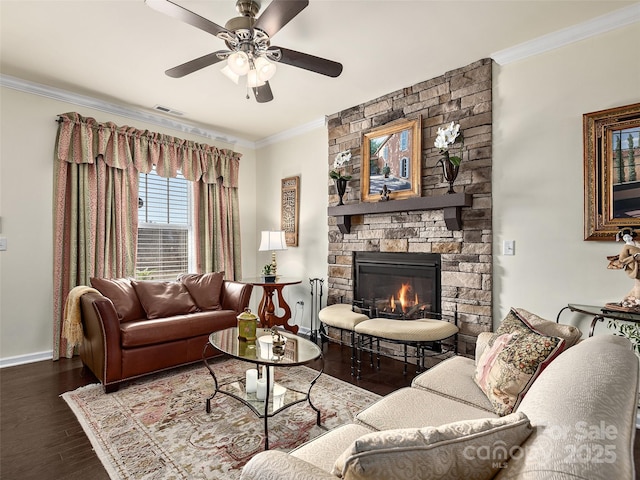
<point>117,51</point>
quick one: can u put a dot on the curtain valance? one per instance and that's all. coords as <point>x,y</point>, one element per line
<point>83,139</point>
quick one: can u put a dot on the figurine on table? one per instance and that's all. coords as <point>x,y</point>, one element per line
<point>628,260</point>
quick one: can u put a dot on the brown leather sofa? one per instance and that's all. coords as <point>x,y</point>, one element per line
<point>132,328</point>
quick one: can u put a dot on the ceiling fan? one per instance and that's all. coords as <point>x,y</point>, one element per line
<point>248,39</point>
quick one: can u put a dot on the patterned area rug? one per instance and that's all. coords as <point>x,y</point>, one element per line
<point>157,427</point>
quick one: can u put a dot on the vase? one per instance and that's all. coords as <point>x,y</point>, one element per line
<point>341,187</point>
<point>449,171</point>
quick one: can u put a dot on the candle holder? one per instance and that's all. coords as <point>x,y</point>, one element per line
<point>278,343</point>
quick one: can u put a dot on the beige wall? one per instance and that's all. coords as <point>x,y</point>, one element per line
<point>27,137</point>
<point>304,155</point>
<point>537,174</point>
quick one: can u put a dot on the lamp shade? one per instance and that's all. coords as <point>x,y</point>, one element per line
<point>272,240</point>
<point>266,70</point>
<point>229,74</point>
<point>239,63</point>
<point>253,79</point>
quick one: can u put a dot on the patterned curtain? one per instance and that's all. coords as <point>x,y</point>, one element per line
<point>217,227</point>
<point>96,203</point>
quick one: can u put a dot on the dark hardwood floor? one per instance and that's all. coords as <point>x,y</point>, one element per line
<point>40,437</point>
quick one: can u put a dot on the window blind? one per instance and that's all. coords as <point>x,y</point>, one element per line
<point>164,227</point>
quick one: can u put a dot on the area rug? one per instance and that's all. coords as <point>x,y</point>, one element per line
<point>157,427</point>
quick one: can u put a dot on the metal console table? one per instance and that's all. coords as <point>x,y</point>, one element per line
<point>599,314</point>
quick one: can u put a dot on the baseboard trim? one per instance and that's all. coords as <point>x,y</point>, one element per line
<point>24,359</point>
<point>304,331</point>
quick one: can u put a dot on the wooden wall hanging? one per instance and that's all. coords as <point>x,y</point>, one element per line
<point>290,199</point>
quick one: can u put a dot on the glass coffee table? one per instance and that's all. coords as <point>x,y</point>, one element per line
<point>298,351</point>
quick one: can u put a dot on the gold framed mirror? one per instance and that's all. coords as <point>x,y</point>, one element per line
<point>611,171</point>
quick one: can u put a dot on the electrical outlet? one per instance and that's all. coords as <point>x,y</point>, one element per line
<point>300,302</point>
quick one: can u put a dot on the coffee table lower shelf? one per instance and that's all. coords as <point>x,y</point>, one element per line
<point>264,409</point>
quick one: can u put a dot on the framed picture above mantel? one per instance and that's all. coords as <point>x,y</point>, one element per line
<point>611,171</point>
<point>391,157</point>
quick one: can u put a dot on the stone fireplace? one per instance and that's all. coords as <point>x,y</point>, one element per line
<point>463,246</point>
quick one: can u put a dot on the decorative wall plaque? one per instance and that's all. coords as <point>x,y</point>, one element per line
<point>290,199</point>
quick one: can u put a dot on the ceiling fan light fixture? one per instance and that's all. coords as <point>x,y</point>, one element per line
<point>248,40</point>
<point>253,79</point>
<point>230,75</point>
<point>266,70</point>
<point>238,62</point>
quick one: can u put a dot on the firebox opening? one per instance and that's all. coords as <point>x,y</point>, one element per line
<point>397,284</point>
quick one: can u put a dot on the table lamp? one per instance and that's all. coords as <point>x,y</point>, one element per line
<point>272,240</point>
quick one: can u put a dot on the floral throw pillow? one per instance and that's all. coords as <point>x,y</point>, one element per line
<point>515,356</point>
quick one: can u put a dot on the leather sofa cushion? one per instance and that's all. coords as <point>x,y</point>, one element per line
<point>179,327</point>
<point>164,299</point>
<point>123,296</point>
<point>204,288</point>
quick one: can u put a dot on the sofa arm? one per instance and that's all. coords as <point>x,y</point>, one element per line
<point>273,464</point>
<point>100,350</point>
<point>235,296</point>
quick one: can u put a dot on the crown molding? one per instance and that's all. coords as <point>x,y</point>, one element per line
<point>292,132</point>
<point>605,23</point>
<point>116,109</point>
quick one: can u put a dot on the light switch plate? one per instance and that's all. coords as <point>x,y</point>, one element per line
<point>3,244</point>
<point>509,247</point>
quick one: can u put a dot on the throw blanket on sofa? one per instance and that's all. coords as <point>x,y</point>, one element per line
<point>71,318</point>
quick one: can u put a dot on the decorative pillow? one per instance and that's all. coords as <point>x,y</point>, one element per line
<point>470,450</point>
<point>164,299</point>
<point>205,288</point>
<point>514,358</point>
<point>482,342</point>
<point>570,334</point>
<point>123,296</point>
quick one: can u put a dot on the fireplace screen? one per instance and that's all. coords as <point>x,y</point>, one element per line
<point>397,285</point>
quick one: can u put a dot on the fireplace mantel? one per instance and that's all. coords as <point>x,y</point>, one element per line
<point>451,204</point>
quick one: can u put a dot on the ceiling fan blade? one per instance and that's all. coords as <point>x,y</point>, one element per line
<point>278,13</point>
<point>194,65</point>
<point>310,62</point>
<point>263,94</point>
<point>174,10</point>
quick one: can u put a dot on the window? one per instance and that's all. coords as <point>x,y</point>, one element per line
<point>164,227</point>
<point>404,140</point>
<point>404,167</point>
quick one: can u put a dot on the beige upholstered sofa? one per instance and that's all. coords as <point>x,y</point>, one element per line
<point>575,421</point>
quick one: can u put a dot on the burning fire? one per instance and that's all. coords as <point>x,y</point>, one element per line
<point>405,303</point>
